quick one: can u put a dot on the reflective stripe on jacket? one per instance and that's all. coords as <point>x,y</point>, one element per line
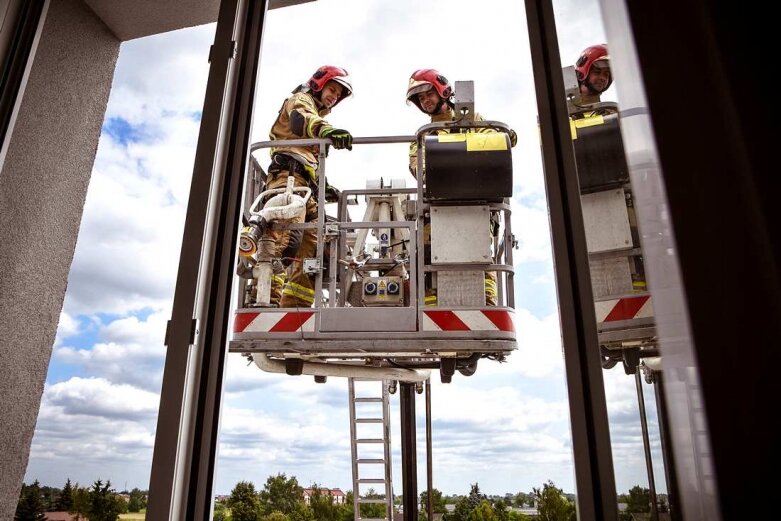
<point>300,117</point>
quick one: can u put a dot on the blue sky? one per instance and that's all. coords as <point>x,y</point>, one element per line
<point>506,427</point>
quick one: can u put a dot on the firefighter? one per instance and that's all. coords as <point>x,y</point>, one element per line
<point>431,92</point>
<point>592,70</point>
<point>300,117</point>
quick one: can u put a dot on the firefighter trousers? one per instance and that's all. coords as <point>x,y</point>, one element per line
<point>298,290</point>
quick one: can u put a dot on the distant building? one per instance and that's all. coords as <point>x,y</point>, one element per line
<point>338,496</point>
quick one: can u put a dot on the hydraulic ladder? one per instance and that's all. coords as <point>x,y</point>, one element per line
<point>365,461</point>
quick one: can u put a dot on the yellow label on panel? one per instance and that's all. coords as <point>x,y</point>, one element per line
<point>482,142</point>
<point>451,138</point>
<point>589,121</point>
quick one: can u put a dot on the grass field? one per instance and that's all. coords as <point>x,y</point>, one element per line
<point>136,516</point>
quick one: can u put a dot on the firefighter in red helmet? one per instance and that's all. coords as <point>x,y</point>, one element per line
<point>431,92</point>
<point>302,116</point>
<point>592,70</point>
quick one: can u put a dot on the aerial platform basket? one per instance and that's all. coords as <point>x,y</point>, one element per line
<point>370,297</point>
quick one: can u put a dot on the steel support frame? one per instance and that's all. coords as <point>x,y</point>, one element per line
<point>649,465</point>
<point>594,477</point>
<point>409,460</point>
<point>188,420</point>
<point>668,457</point>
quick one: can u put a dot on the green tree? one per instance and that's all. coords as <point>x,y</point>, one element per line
<point>65,501</point>
<point>281,494</point>
<point>437,503</point>
<point>104,504</point>
<point>244,502</point>
<point>466,504</point>
<point>346,510</point>
<point>500,507</point>
<point>552,505</point>
<point>512,515</point>
<point>30,506</point>
<point>301,512</point>
<point>482,512</point>
<point>373,510</point>
<point>220,512</point>
<point>49,496</point>
<point>475,496</point>
<point>275,516</point>
<point>323,506</point>
<point>639,500</point>
<point>80,507</point>
<point>137,501</point>
<point>522,499</point>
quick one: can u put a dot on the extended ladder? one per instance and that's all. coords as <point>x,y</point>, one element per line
<point>363,445</point>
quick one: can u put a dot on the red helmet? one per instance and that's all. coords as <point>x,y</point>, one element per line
<point>423,80</point>
<point>327,73</point>
<point>586,60</point>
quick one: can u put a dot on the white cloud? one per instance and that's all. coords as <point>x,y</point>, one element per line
<point>132,352</point>
<point>66,327</point>
<point>98,397</point>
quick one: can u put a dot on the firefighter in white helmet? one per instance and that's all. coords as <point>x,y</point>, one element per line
<point>431,92</point>
<point>300,117</point>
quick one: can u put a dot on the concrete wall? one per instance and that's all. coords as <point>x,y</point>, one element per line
<point>130,19</point>
<point>43,185</point>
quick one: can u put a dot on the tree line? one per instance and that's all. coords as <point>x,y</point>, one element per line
<point>282,499</point>
<point>99,502</point>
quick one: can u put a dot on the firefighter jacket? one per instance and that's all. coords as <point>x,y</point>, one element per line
<point>448,115</point>
<point>301,117</point>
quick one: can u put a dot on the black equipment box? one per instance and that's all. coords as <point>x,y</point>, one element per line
<point>599,153</point>
<point>468,166</point>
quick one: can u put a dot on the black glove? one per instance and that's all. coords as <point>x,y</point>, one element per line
<point>331,193</point>
<point>339,137</point>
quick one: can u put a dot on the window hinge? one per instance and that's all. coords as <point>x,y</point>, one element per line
<point>193,332</point>
<point>234,51</point>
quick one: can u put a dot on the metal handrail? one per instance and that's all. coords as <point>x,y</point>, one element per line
<point>417,285</point>
<point>326,141</point>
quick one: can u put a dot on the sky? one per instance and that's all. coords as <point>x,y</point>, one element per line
<point>505,428</point>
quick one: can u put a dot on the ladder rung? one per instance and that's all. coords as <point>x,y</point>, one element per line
<point>375,501</point>
<point>370,460</point>
<point>371,480</point>
<point>365,400</point>
<point>369,440</point>
<point>368,420</point>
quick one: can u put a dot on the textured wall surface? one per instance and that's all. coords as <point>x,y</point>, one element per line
<point>130,19</point>
<point>43,185</point>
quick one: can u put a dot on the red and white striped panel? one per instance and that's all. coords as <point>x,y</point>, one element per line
<point>624,308</point>
<point>471,320</point>
<point>274,321</point>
